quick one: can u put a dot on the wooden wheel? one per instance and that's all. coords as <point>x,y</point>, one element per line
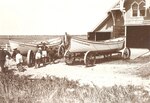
<point>61,51</point>
<point>89,58</point>
<point>126,53</point>
<point>69,57</point>
<point>30,58</point>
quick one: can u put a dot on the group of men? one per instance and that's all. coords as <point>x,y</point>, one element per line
<point>5,56</point>
<point>43,55</point>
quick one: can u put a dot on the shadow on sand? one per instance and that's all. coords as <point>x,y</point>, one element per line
<point>100,60</point>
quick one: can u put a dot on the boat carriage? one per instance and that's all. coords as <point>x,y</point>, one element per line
<point>29,49</point>
<point>90,49</point>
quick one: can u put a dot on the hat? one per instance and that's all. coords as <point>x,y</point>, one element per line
<point>44,43</point>
<point>15,48</point>
<point>40,48</point>
<point>5,48</point>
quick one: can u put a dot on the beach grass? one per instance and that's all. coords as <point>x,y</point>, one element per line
<point>23,89</point>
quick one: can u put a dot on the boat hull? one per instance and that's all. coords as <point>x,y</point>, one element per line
<point>54,42</point>
<point>82,45</point>
<point>22,47</point>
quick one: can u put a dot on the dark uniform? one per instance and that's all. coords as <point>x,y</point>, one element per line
<point>52,54</point>
<point>44,53</point>
<point>2,59</point>
<point>15,53</point>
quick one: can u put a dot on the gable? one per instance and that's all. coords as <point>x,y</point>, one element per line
<point>137,12</point>
<point>125,6</point>
<point>107,26</point>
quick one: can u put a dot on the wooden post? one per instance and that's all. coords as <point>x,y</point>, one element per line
<point>125,37</point>
<point>95,35</point>
<point>125,28</point>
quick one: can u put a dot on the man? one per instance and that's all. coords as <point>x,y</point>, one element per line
<point>7,59</point>
<point>38,57</point>
<point>44,54</point>
<point>2,59</point>
<point>15,51</point>
<point>52,54</point>
<point>19,60</point>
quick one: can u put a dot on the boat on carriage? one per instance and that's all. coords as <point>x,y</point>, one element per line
<point>22,47</point>
<point>29,49</point>
<point>90,49</point>
<point>54,41</point>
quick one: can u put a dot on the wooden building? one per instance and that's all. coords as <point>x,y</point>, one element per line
<point>130,18</point>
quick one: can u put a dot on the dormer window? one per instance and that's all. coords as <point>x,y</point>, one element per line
<point>135,9</point>
<point>138,9</point>
<point>142,8</point>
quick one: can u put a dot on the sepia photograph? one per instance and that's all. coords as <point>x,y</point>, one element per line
<point>74,51</point>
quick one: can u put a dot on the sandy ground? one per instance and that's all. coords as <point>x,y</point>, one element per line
<point>108,73</point>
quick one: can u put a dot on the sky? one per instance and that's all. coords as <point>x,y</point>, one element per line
<point>51,17</point>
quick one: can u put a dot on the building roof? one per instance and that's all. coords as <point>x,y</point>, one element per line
<point>119,5</point>
<point>115,5</point>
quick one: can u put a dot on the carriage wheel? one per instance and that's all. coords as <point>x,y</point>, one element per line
<point>89,58</point>
<point>61,51</point>
<point>30,58</point>
<point>126,53</point>
<point>69,57</point>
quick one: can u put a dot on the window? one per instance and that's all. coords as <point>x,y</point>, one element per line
<point>142,9</point>
<point>135,9</point>
<point>138,9</point>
